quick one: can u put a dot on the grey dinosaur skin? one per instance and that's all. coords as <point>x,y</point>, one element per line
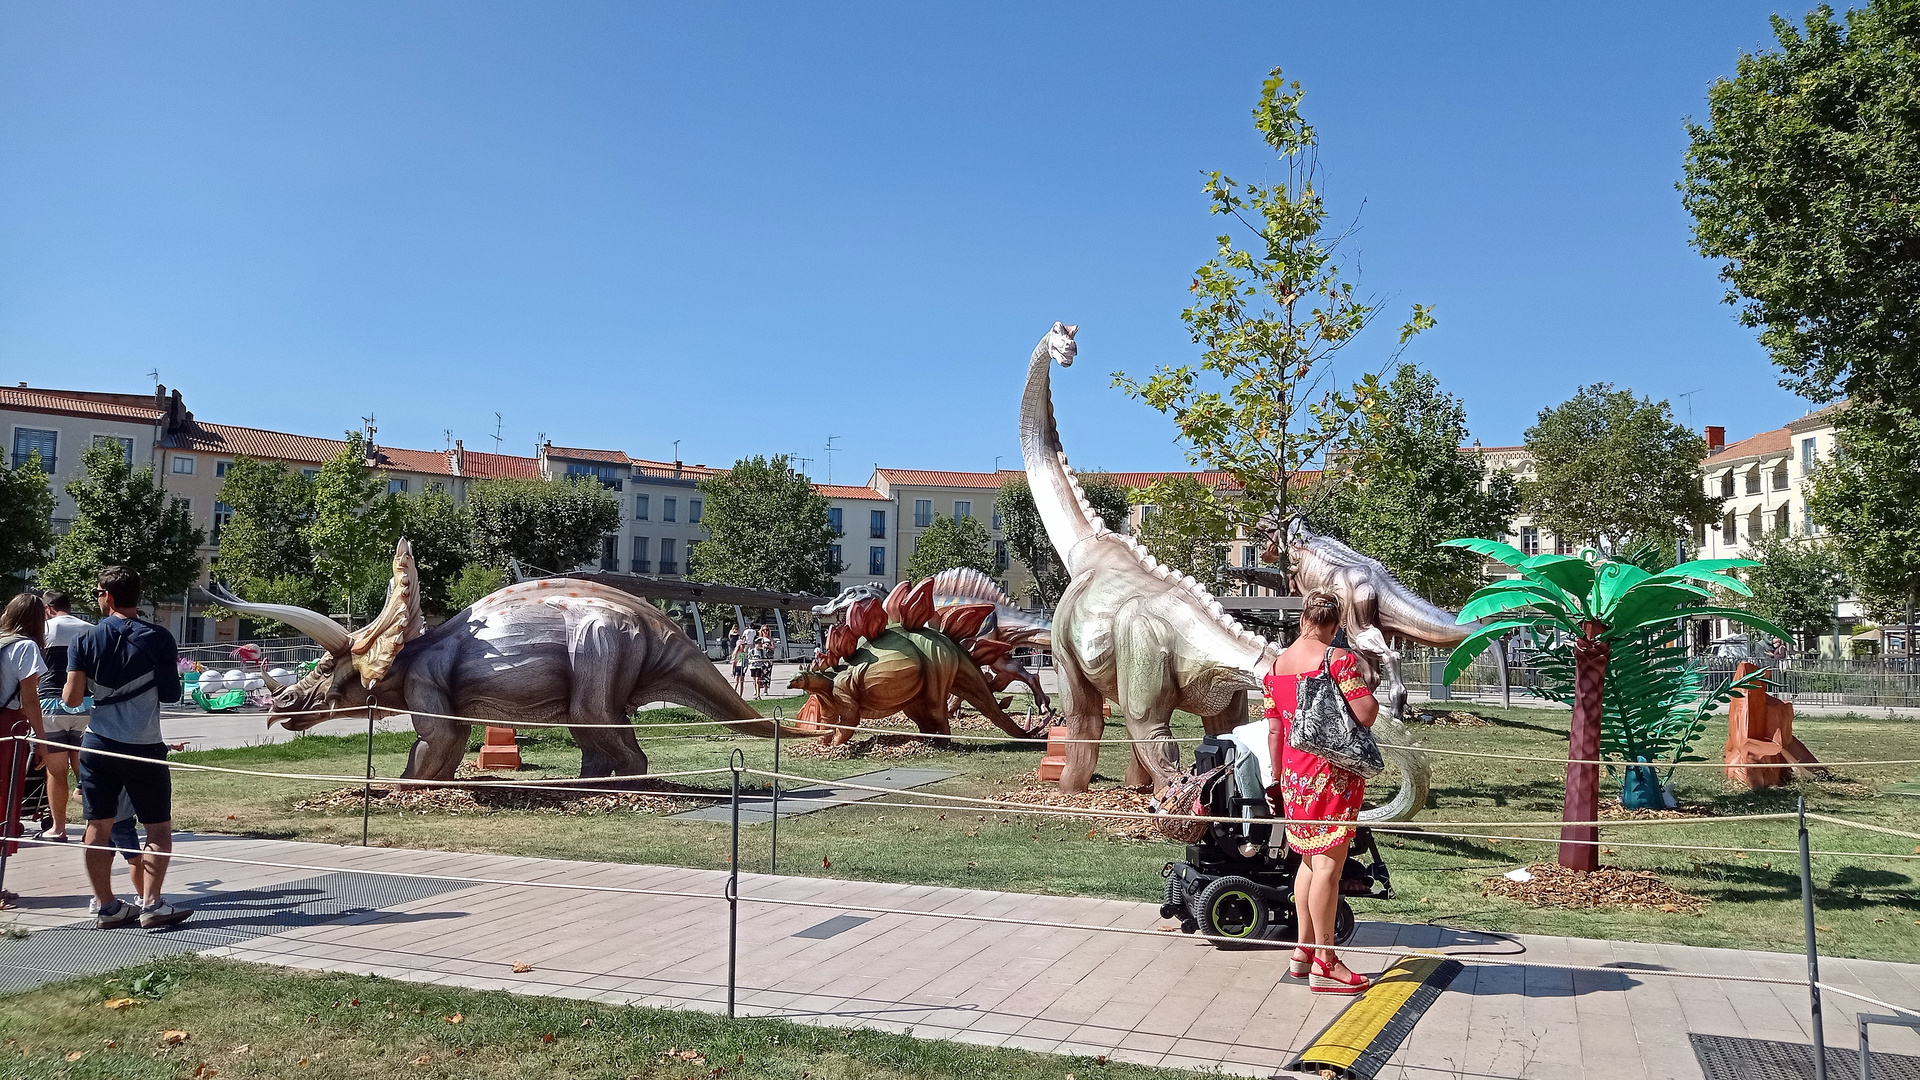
<point>1127,629</point>
<point>557,650</point>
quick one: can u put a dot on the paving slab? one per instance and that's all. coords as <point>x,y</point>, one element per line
<point>759,809</point>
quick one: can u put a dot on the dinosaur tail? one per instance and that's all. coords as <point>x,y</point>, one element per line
<point>1056,492</point>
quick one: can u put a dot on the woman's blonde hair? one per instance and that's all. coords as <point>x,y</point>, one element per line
<point>1321,609</point>
<point>26,615</point>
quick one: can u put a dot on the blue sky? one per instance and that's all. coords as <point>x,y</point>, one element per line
<point>749,227</point>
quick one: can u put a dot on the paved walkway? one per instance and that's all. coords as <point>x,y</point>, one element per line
<point>1160,999</point>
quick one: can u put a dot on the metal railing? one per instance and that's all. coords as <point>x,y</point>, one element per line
<point>1879,683</point>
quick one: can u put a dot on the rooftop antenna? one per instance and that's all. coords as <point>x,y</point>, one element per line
<point>830,439</point>
<point>1689,396</point>
<point>539,441</point>
<point>154,374</point>
<point>496,432</point>
<point>448,432</point>
<point>996,463</point>
<point>371,428</point>
<point>676,449</point>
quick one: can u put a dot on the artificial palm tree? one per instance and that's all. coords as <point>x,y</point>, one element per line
<point>1602,605</point>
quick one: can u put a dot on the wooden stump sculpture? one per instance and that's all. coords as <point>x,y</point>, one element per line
<point>1760,742</point>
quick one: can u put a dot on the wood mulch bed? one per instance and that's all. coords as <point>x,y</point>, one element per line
<point>1124,799</point>
<point>483,798</point>
<point>1554,885</point>
<point>1453,718</point>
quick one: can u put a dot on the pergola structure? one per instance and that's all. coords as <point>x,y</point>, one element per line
<point>691,594</point>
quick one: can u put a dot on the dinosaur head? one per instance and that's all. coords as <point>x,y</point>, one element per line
<point>815,682</point>
<point>1216,684</point>
<point>1060,344</point>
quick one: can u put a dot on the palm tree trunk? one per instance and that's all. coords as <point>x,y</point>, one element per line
<point>1580,844</point>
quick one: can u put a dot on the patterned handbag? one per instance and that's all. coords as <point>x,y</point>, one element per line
<point>1183,796</point>
<point>1324,726</point>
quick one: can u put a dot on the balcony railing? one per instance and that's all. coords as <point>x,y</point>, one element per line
<point>643,566</point>
<point>669,566</point>
<point>46,462</point>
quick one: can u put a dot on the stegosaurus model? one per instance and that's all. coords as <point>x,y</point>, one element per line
<point>905,656</point>
<point>1131,630</point>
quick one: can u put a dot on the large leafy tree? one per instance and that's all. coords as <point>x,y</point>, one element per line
<point>1609,466</point>
<point>356,523</point>
<point>1868,497</point>
<point>441,534</point>
<point>26,522</point>
<point>1805,181</point>
<point>949,543</point>
<point>1407,481</point>
<point>1271,310</point>
<point>264,555</point>
<point>1797,583</point>
<point>1026,534</point>
<point>1186,527</point>
<point>767,528</point>
<point>121,517</point>
<point>548,526</point>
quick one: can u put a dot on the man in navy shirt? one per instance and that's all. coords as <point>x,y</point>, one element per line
<point>130,666</point>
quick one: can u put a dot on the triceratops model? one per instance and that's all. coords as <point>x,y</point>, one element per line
<point>904,655</point>
<point>556,650</point>
<point>1140,634</point>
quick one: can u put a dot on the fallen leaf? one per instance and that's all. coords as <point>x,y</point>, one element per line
<point>454,1019</point>
<point>694,1056</point>
<point>586,1021</point>
<point>75,1056</point>
<point>109,1044</point>
<point>205,1070</point>
<point>520,968</point>
<point>547,1037</point>
<point>826,864</point>
<point>1100,1059</point>
<point>173,1038</point>
<point>423,1060</point>
<point>302,1063</point>
<point>119,1003</point>
<point>1606,851</point>
<point>1823,929</point>
<point>241,1049</point>
<point>232,817</point>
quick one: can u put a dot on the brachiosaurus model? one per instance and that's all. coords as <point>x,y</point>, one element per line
<point>1131,630</point>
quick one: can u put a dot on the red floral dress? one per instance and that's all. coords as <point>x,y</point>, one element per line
<point>1307,789</point>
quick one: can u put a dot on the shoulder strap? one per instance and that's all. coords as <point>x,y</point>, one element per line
<point>1326,662</point>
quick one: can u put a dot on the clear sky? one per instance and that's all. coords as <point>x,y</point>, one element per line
<point>748,227</point>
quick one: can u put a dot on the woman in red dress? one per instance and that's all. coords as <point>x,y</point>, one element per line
<point>1319,800</point>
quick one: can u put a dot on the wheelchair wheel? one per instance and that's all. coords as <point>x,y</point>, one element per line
<point>1231,907</point>
<point>1343,923</point>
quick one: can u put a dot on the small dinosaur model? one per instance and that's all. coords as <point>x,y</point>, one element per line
<point>557,650</point>
<point>905,656</point>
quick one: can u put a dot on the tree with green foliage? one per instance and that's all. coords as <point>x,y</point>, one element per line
<point>122,518</point>
<point>548,526</point>
<point>1609,466</point>
<point>475,582</point>
<point>1407,481</point>
<point>263,553</point>
<point>26,522</point>
<point>1867,496</point>
<point>1026,534</point>
<point>949,543</point>
<point>441,534</point>
<point>1797,583</point>
<point>356,523</point>
<point>1271,316</point>
<point>767,528</point>
<point>1187,527</point>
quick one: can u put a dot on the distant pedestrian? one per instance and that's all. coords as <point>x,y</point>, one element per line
<point>742,657</point>
<point>130,666</point>
<point>65,726</point>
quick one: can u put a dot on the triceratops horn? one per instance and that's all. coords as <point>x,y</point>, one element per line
<point>328,634</point>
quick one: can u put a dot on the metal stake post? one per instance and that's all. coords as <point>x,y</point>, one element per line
<point>773,857</point>
<point>366,789</point>
<point>1813,950</point>
<point>733,881</point>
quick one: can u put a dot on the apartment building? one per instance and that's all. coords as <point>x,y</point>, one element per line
<point>1760,482</point>
<point>920,496</point>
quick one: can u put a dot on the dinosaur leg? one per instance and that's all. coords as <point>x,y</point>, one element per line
<point>1146,690</point>
<point>1364,634</point>
<point>1080,705</point>
<point>598,695</point>
<point>970,685</point>
<point>1234,715</point>
<point>438,744</point>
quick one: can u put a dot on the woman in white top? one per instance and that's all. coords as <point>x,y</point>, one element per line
<point>23,628</point>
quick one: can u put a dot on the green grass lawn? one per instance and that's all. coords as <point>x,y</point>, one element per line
<point>246,1020</point>
<point>1868,907</point>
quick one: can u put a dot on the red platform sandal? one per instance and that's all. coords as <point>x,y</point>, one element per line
<point>1324,981</point>
<point>1298,968</point>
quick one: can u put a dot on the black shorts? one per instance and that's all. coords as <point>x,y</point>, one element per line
<point>148,786</point>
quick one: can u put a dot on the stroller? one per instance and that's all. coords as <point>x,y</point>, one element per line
<point>1237,879</point>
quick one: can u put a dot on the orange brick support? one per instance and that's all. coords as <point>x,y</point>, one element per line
<point>499,751</point>
<point>1056,760</point>
<point>1760,732</point>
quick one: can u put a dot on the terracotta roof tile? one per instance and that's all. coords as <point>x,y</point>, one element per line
<point>572,453</point>
<point>1777,441</point>
<point>940,478</point>
<point>1212,478</point>
<point>259,443</point>
<point>498,466</point>
<point>80,403</point>
<point>842,491</point>
<point>668,468</point>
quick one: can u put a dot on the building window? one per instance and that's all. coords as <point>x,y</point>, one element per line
<point>1808,526</point>
<point>639,508</point>
<point>1729,535</point>
<point>669,507</point>
<point>1782,521</point>
<point>692,546</point>
<point>1726,484</point>
<point>833,521</point>
<point>640,563</point>
<point>1753,480</point>
<point>609,553</point>
<point>668,564</point>
<point>1756,526</point>
<point>220,467</point>
<point>877,561</point>
<point>1562,545</point>
<point>397,486</point>
<point>311,474</point>
<point>922,513</point>
<point>610,476</point>
<point>693,518</point>
<point>1808,448</point>
<point>877,524</point>
<point>1699,536</point>
<point>1529,539</point>
<point>833,556</point>
<point>222,513</point>
<point>1000,555</point>
<point>183,465</point>
<point>962,508</point>
<point>1246,555</point>
<point>997,523</point>
<point>125,445</point>
<point>28,441</point>
<point>436,487</point>
<point>1780,476</point>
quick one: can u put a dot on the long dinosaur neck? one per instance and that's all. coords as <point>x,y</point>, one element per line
<point>1056,494</point>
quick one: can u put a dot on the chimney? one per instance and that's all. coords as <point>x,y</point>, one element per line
<point>1716,439</point>
<point>459,456</point>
